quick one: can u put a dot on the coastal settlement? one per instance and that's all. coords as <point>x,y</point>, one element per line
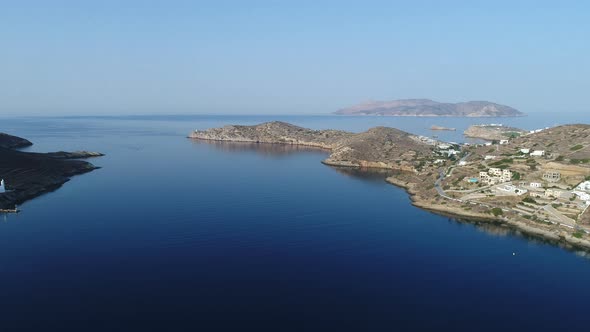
<point>536,181</point>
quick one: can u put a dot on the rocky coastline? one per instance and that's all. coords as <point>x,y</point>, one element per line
<point>28,175</point>
<point>389,149</point>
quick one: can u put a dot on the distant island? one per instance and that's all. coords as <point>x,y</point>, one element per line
<point>431,108</point>
<point>537,182</point>
<point>27,175</point>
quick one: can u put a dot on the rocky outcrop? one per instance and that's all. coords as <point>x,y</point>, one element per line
<point>379,147</point>
<point>29,175</point>
<point>74,155</point>
<point>430,108</point>
<point>276,132</point>
<point>13,142</point>
<point>434,127</point>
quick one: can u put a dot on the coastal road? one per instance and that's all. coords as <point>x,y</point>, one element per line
<point>563,219</point>
<point>441,176</point>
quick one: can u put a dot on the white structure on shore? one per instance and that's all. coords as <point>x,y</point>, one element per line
<point>2,187</point>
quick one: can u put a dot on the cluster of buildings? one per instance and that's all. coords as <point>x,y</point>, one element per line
<point>447,150</point>
<point>581,192</point>
<point>427,140</point>
<point>534,153</point>
<point>495,176</point>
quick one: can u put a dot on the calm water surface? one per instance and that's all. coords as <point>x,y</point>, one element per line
<point>176,235</point>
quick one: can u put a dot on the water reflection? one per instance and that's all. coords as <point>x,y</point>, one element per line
<point>266,149</point>
<point>369,174</point>
<point>497,229</point>
<point>376,175</point>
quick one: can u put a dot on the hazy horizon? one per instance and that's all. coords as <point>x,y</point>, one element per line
<point>223,57</point>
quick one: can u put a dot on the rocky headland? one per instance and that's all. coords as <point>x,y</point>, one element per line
<point>493,132</point>
<point>28,175</point>
<point>378,147</point>
<point>435,174</point>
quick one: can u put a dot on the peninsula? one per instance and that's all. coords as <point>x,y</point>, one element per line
<point>431,108</point>
<point>28,175</point>
<point>493,132</point>
<point>538,182</point>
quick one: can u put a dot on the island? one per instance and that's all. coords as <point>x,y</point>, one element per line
<point>537,183</point>
<point>441,128</point>
<point>27,175</point>
<point>431,108</point>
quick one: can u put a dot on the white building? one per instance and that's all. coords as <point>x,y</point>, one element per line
<point>538,153</point>
<point>525,151</point>
<point>450,152</point>
<point>2,187</point>
<point>552,176</point>
<point>495,171</point>
<point>584,186</point>
<point>582,195</point>
<point>506,175</point>
<point>536,185</point>
<point>462,163</point>
<point>489,157</point>
<point>513,189</point>
<point>503,141</point>
<point>556,193</point>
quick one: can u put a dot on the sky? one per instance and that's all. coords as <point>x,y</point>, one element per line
<point>288,57</point>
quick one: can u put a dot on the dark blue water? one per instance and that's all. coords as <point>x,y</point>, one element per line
<point>176,235</point>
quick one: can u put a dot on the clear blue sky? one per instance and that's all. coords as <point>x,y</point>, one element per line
<point>287,57</point>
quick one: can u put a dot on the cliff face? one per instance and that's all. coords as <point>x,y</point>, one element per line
<point>378,147</point>
<point>29,175</point>
<point>430,108</point>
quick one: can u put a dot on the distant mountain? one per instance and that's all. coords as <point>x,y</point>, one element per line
<point>431,108</point>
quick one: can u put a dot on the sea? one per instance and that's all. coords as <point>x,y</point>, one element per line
<point>172,234</point>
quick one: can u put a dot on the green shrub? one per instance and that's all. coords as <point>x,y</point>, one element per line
<point>529,200</point>
<point>577,147</point>
<point>497,212</point>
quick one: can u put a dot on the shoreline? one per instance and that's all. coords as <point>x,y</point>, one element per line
<point>449,211</point>
<point>553,237</point>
